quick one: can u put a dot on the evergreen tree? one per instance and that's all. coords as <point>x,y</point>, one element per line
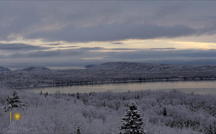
<point>46,94</point>
<point>211,129</point>
<point>132,122</point>
<point>78,131</point>
<point>41,92</point>
<point>13,102</point>
<point>164,111</point>
<point>77,95</point>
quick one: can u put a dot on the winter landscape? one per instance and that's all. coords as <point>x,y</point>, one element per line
<point>107,112</point>
<point>107,67</point>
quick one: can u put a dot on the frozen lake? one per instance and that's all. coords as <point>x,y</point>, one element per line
<point>200,87</point>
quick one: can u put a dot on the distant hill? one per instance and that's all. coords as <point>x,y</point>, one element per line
<point>36,69</point>
<point>4,69</point>
<point>150,67</point>
<point>134,67</point>
<point>110,72</point>
<point>90,66</point>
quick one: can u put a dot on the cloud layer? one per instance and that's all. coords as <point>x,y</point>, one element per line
<point>72,32</point>
<point>106,21</point>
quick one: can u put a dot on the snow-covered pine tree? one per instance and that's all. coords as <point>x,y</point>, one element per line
<point>41,92</point>
<point>164,111</point>
<point>132,122</point>
<point>13,102</point>
<point>46,94</point>
<point>78,131</point>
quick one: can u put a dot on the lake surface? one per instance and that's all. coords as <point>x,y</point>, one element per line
<point>199,87</point>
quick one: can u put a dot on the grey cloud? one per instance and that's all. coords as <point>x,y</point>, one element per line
<point>92,48</point>
<point>123,49</point>
<point>113,32</point>
<point>165,56</point>
<point>78,52</point>
<point>168,48</point>
<point>79,56</point>
<point>118,43</point>
<point>104,21</point>
<point>101,21</point>
<point>17,47</point>
<point>168,53</point>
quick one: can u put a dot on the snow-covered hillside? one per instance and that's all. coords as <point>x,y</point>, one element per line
<point>4,69</point>
<point>37,69</point>
<point>112,72</point>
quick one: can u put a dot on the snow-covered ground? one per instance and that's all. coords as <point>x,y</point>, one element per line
<point>101,113</point>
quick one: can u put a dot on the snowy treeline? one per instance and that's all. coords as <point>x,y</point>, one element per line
<point>112,72</point>
<point>101,113</point>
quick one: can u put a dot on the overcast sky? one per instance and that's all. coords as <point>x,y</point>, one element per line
<point>80,32</point>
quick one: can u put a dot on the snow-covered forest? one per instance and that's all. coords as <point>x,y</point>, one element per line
<point>110,72</point>
<point>101,113</point>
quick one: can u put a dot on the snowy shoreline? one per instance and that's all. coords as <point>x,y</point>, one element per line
<point>116,82</point>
